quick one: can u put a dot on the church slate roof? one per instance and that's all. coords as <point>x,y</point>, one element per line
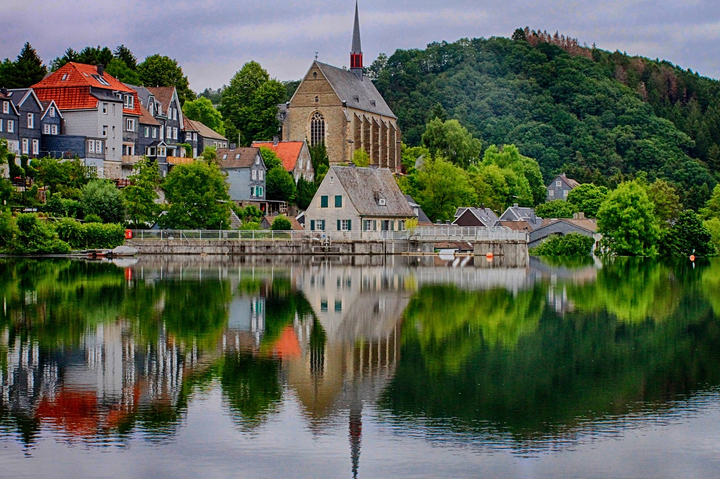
<point>365,186</point>
<point>358,93</point>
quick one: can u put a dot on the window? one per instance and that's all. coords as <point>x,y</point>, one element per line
<point>51,112</point>
<point>175,133</point>
<point>323,305</point>
<point>64,77</point>
<point>317,99</point>
<point>25,146</point>
<point>130,124</point>
<point>104,130</point>
<point>338,306</point>
<point>154,132</point>
<point>323,201</point>
<point>54,129</point>
<point>552,192</point>
<point>147,132</point>
<point>168,133</point>
<point>113,131</point>
<point>104,108</point>
<point>46,129</point>
<point>565,193</point>
<point>260,189</point>
<point>344,225</point>
<point>558,183</point>
<point>317,129</point>
<point>129,102</point>
<point>1,124</point>
<point>369,225</point>
<point>261,174</point>
<point>91,146</point>
<point>254,174</point>
<point>162,151</point>
<point>6,107</point>
<point>11,126</point>
<point>99,146</point>
<point>338,201</point>
<point>381,201</point>
<point>36,147</point>
<point>320,225</point>
<point>113,106</point>
<point>30,120</point>
<point>401,225</point>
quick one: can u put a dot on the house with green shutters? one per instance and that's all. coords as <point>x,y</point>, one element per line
<point>359,203</point>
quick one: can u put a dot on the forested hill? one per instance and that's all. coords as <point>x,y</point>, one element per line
<point>598,116</point>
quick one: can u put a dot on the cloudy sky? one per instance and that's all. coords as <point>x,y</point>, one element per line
<point>211,39</point>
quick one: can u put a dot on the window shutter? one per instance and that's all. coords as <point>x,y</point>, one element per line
<point>338,225</point>
<point>338,201</point>
<point>323,201</point>
<point>349,225</point>
<point>312,225</point>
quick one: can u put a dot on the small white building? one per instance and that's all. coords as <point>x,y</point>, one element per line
<point>358,203</point>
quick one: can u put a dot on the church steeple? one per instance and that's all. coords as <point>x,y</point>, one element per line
<point>356,60</point>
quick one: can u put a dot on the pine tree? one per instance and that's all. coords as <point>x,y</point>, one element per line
<point>27,70</point>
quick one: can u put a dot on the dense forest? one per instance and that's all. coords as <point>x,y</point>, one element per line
<point>598,116</point>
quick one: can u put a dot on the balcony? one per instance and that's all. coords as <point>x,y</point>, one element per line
<point>130,159</point>
<point>176,160</point>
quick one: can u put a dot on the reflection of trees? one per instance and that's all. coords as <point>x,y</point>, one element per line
<point>568,369</point>
<point>449,324</point>
<point>632,289</point>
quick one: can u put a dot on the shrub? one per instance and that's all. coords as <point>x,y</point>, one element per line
<point>572,244</point>
<point>92,218</point>
<point>281,223</point>
<point>37,237</point>
<point>102,198</point>
<point>250,225</point>
<point>8,230</point>
<point>90,235</point>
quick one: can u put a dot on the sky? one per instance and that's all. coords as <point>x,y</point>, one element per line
<point>212,39</point>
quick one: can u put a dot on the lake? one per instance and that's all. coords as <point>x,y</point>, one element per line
<point>359,367</point>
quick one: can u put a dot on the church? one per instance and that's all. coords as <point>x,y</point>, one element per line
<point>342,109</point>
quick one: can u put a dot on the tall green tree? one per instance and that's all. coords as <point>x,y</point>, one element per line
<point>627,221</point>
<point>687,236</point>
<point>141,194</point>
<point>442,188</point>
<point>198,197</point>
<point>269,157</point>
<point>202,110</point>
<point>102,198</point>
<point>250,102</point>
<point>304,193</point>
<point>508,157</point>
<point>452,141</point>
<point>160,70</point>
<point>126,55</point>
<point>587,198</point>
<point>666,201</point>
<point>119,69</point>
<point>279,184</point>
<point>25,71</point>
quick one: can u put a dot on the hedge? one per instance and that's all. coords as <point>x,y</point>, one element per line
<point>90,235</point>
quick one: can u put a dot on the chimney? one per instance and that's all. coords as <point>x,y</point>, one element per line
<point>515,205</point>
<point>3,90</point>
<point>276,140</point>
<point>232,146</point>
<point>101,69</point>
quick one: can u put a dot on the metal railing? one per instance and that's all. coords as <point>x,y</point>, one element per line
<point>428,234</point>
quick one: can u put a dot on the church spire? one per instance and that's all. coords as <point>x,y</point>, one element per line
<point>356,60</point>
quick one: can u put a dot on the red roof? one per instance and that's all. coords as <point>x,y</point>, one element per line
<point>287,151</point>
<point>70,86</point>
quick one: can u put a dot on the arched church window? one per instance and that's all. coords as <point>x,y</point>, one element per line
<point>317,129</point>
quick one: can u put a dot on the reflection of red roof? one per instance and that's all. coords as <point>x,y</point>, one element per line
<point>74,411</point>
<point>287,151</point>
<point>71,84</point>
<point>287,345</point>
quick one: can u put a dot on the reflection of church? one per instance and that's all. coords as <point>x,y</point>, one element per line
<point>343,110</point>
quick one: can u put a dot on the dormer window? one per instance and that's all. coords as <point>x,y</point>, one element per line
<point>101,80</point>
<point>64,77</point>
<point>51,112</point>
<point>237,156</point>
<point>381,201</point>
<point>30,120</point>
<point>129,102</point>
<point>6,107</point>
<point>225,156</point>
<point>372,102</point>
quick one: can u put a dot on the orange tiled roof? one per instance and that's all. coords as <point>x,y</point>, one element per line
<point>70,86</point>
<point>287,151</point>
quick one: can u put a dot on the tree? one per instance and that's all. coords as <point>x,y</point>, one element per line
<point>687,236</point>
<point>555,209</point>
<point>529,186</point>
<point>572,244</point>
<point>627,221</point>
<point>126,55</point>
<point>102,198</point>
<point>24,72</point>
<point>119,69</point>
<point>712,206</point>
<point>451,140</point>
<point>491,188</point>
<point>361,158</point>
<point>304,193</point>
<point>250,102</point>
<point>587,198</point>
<point>320,161</point>
<point>666,201</point>
<point>269,157</point>
<point>202,110</point>
<point>209,155</point>
<point>198,197</point>
<point>713,226</point>
<point>281,223</point>
<point>443,187</point>
<point>159,70</point>
<point>279,184</point>
<point>141,194</point>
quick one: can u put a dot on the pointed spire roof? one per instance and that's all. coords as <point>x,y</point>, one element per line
<point>356,47</point>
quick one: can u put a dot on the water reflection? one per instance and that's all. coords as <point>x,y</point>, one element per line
<point>527,357</point>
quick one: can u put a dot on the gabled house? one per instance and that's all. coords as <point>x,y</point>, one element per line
<point>245,171</point>
<point>170,116</point>
<point>162,144</point>
<point>95,107</point>
<point>520,218</point>
<point>30,112</point>
<point>361,201</point>
<point>562,226</point>
<point>200,136</point>
<point>51,125</point>
<point>148,134</point>
<point>422,218</point>
<point>560,187</point>
<point>9,122</point>
<point>475,217</point>
<point>295,157</point>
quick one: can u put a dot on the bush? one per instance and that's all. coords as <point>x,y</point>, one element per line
<point>8,230</point>
<point>572,244</point>
<point>250,225</point>
<point>91,218</point>
<point>90,235</point>
<point>37,237</point>
<point>63,208</point>
<point>556,209</point>
<point>102,198</point>
<point>281,223</point>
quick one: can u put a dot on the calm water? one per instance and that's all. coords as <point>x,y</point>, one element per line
<point>255,367</point>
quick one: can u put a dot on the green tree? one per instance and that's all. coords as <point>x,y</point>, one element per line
<point>198,197</point>
<point>202,110</point>
<point>281,223</point>
<point>587,198</point>
<point>555,209</point>
<point>320,161</point>
<point>141,194</point>
<point>26,70</point>
<point>269,157</point>
<point>37,237</point>
<point>279,184</point>
<point>572,244</point>
<point>443,187</point>
<point>361,158</point>
<point>713,226</point>
<point>159,70</point>
<point>102,198</point>
<point>627,221</point>
<point>119,69</point>
<point>688,235</point>
<point>666,201</point>
<point>712,206</point>
<point>209,155</point>
<point>452,140</point>
<point>304,193</point>
<point>491,188</point>
<point>250,102</point>
<point>124,54</point>
<point>529,185</point>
